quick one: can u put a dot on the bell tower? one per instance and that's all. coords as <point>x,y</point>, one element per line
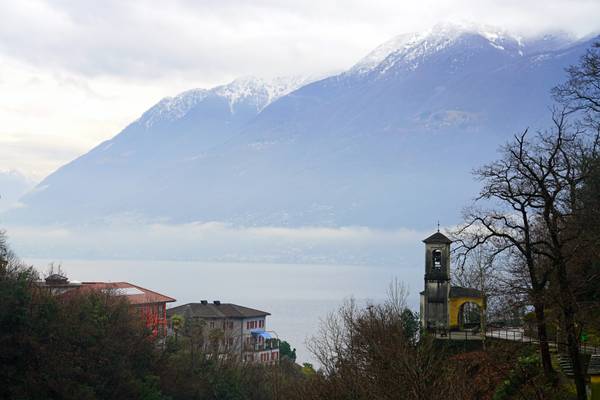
<point>435,297</point>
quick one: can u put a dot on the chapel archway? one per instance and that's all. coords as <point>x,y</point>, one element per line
<point>469,315</point>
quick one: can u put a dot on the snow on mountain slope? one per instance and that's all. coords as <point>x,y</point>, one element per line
<point>412,48</point>
<point>257,92</point>
<point>388,143</point>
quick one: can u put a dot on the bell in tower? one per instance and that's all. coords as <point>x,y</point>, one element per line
<point>435,297</point>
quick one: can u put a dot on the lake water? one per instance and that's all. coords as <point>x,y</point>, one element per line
<point>296,295</point>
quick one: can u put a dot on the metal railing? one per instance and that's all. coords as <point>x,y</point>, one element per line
<point>513,334</point>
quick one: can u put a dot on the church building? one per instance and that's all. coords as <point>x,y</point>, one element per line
<point>446,307</point>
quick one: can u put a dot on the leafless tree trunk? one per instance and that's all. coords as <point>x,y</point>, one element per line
<point>509,227</point>
<point>535,188</point>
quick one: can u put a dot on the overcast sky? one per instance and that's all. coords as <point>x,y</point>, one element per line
<point>74,73</point>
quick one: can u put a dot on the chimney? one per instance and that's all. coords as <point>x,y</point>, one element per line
<point>217,303</point>
<point>204,302</point>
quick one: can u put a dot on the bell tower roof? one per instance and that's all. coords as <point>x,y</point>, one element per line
<point>437,237</point>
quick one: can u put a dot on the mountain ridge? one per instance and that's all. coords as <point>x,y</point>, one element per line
<point>366,147</point>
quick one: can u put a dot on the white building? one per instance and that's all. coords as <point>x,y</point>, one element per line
<point>233,329</point>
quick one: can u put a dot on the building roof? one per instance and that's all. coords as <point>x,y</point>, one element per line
<point>57,279</point>
<point>218,311</point>
<point>457,291</point>
<point>437,237</point>
<point>134,294</point>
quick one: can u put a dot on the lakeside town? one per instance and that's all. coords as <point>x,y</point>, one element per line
<point>241,330</point>
<point>300,200</point>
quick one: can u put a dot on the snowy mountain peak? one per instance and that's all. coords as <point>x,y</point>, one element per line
<point>412,47</point>
<point>381,52</point>
<point>173,108</point>
<point>456,29</point>
<point>261,91</point>
<point>258,92</point>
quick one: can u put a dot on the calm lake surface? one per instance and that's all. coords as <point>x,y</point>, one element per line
<point>296,295</point>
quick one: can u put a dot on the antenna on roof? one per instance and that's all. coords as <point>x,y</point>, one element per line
<point>438,225</point>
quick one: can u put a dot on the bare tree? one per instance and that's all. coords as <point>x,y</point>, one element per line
<point>374,352</point>
<point>581,91</point>
<point>534,189</point>
<point>10,263</point>
<point>479,269</point>
<point>508,227</point>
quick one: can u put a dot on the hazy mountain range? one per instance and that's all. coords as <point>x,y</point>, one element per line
<point>388,143</point>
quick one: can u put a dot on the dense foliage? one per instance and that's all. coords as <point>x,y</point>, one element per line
<point>69,347</point>
<point>285,350</point>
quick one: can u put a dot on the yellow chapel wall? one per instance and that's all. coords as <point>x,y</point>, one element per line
<point>454,307</point>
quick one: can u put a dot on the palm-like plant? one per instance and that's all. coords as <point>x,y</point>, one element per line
<point>177,322</point>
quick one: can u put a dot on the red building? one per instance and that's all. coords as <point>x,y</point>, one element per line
<point>150,305</point>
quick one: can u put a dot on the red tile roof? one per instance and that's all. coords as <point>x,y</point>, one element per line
<point>134,294</point>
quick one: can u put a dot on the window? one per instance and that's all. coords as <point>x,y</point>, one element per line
<point>437,259</point>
